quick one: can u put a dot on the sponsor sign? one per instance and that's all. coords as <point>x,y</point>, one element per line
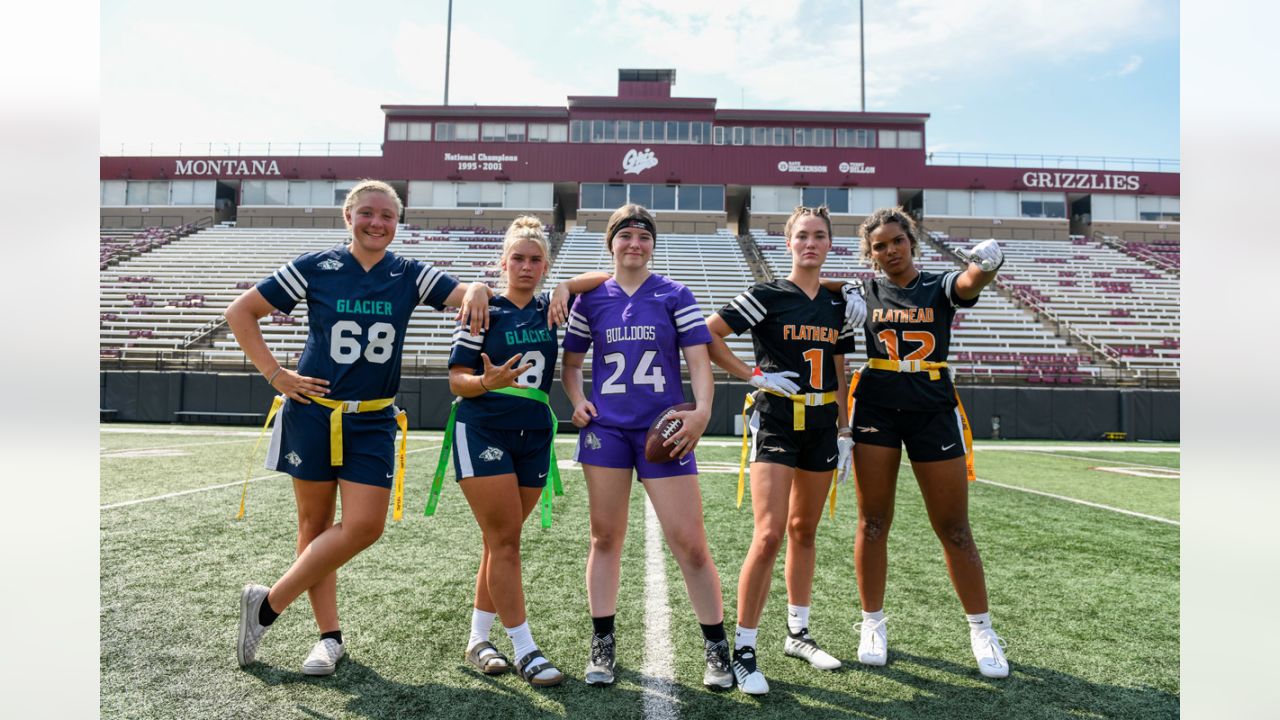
<point>857,168</point>
<point>795,166</point>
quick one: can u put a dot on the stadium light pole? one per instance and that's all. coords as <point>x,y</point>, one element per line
<point>862,58</point>
<point>448,42</point>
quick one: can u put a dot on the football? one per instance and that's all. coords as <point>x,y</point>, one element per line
<point>662,428</point>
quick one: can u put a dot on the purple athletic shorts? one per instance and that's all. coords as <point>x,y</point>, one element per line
<point>621,448</point>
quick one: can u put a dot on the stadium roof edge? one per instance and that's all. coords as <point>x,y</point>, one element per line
<point>613,101</point>
<point>831,115</point>
<point>475,110</point>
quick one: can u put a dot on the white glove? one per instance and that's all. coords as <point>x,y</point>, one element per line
<point>855,306</point>
<point>777,383</point>
<point>844,466</point>
<point>987,255</point>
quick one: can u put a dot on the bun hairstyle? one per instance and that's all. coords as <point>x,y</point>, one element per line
<point>629,215</point>
<point>525,227</point>
<point>364,186</point>
<point>801,211</point>
<point>884,216</point>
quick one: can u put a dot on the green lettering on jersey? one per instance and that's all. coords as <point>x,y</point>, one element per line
<point>528,337</point>
<point>363,307</point>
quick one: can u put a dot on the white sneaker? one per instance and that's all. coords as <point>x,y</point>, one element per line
<point>324,657</point>
<point>803,646</point>
<point>250,631</point>
<point>873,641</point>
<point>750,680</point>
<point>988,650</point>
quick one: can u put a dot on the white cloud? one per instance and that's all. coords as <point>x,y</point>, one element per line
<point>1131,65</point>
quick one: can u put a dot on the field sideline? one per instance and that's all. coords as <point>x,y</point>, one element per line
<point>1080,542</point>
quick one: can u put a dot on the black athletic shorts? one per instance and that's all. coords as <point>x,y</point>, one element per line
<point>773,441</point>
<point>928,436</point>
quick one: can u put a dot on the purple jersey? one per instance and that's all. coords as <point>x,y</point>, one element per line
<point>636,359</point>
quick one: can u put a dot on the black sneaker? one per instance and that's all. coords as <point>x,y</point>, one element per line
<point>750,680</point>
<point>601,664</point>
<point>717,676</point>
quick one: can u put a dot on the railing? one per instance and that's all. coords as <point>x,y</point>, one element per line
<point>1065,162</point>
<point>240,149</point>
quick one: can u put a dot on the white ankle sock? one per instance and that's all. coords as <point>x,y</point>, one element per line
<point>744,637</point>
<point>797,617</point>
<point>877,615</point>
<point>522,644</point>
<point>980,621</point>
<point>481,624</point>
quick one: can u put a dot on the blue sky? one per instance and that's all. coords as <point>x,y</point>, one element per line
<point>1089,77</point>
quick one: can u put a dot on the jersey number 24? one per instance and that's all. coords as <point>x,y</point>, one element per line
<point>646,373</point>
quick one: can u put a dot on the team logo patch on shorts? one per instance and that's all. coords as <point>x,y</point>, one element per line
<point>329,265</point>
<point>293,459</point>
<point>591,441</point>
<point>491,454</point>
<point>867,429</point>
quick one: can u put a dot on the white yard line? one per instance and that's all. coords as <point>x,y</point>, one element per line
<point>180,493</point>
<point>1096,459</point>
<point>125,452</point>
<point>658,673</point>
<point>1083,447</point>
<point>1100,506</point>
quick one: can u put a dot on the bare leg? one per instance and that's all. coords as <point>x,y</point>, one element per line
<point>808,495</point>
<point>316,505</point>
<point>770,492</point>
<point>609,494</point>
<point>678,505</point>
<point>946,498</point>
<point>877,471</point>
<point>500,506</point>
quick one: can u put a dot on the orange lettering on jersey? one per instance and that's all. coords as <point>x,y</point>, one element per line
<point>810,333</point>
<point>902,315</point>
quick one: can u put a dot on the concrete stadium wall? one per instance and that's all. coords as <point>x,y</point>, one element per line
<point>1139,231</point>
<point>841,225</point>
<point>1025,413</point>
<point>138,217</point>
<point>689,223</point>
<point>287,217</point>
<point>495,219</point>
<point>999,228</point>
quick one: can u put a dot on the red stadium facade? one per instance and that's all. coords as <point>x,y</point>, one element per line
<point>700,167</point>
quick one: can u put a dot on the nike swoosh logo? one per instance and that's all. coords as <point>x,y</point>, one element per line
<point>397,274</point>
<point>948,447</point>
<point>661,294</point>
<point>837,302</point>
<point>390,475</point>
<point>541,475</point>
<point>833,457</point>
<point>685,461</point>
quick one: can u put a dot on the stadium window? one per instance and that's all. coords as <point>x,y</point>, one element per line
<point>738,133</point>
<point>419,193</point>
<point>491,194</point>
<point>444,132</point>
<point>648,130</point>
<point>864,201</point>
<point>682,131</point>
<point>277,192</point>
<point>781,136</point>
<point>701,131</point>
<point>468,194</point>
<point>802,137</point>
<point>397,131</point>
<point>846,137</point>
<point>689,197</point>
<point>516,195</point>
<point>577,131</point>
<point>821,137</point>
<point>673,131</point>
<point>181,192</point>
<point>158,193</point>
<point>597,131</point>
<point>515,132</point>
<point>813,196</point>
<point>1102,207</point>
<point>206,192</point>
<point>717,135</point>
<point>321,193</point>
<point>537,132</point>
<point>624,130</point>
<point>541,196</point>
<point>713,198</point>
<point>253,192</point>
<point>759,136</point>
<point>493,132</point>
<point>113,192</point>
<point>640,194</point>
<point>467,131</point>
<point>888,139</point>
<point>419,132</point>
<point>340,190</point>
<point>615,196</point>
<point>557,133</point>
<point>444,195</point>
<point>299,193</point>
<point>664,197</point>
<point>910,139</point>
<point>838,200</point>
<point>610,130</point>
<point>592,196</point>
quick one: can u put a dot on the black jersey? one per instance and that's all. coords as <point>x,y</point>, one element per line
<point>910,323</point>
<point>791,332</point>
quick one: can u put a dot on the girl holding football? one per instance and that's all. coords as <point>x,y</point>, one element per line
<point>639,323</point>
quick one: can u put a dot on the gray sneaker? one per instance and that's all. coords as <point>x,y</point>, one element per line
<point>718,675</point>
<point>601,664</point>
<point>324,658</point>
<point>251,631</point>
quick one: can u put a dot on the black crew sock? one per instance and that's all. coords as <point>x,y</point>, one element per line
<point>603,625</point>
<point>266,615</point>
<point>713,633</point>
<point>334,634</point>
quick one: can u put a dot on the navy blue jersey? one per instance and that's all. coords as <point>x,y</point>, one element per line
<point>356,319</point>
<point>910,323</point>
<point>636,341</point>
<point>511,330</point>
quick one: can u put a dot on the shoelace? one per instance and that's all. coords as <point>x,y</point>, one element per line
<point>992,640</point>
<point>717,653</point>
<point>872,626</point>
<point>601,649</point>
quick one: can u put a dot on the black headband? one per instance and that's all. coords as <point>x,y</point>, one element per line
<point>634,221</point>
